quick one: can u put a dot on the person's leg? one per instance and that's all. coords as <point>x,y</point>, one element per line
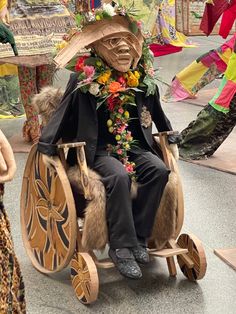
<point>28,88</point>
<point>118,203</point>
<point>122,235</point>
<point>222,130</point>
<point>152,176</point>
<point>202,134</point>
<point>44,75</point>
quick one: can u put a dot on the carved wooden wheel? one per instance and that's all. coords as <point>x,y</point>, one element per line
<point>48,215</point>
<point>84,277</point>
<point>196,254</point>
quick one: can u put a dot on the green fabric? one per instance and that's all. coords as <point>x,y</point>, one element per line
<point>204,135</point>
<point>219,108</point>
<point>219,91</point>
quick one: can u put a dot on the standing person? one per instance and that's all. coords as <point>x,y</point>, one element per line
<point>37,28</point>
<point>215,122</point>
<point>110,103</point>
<point>12,298</point>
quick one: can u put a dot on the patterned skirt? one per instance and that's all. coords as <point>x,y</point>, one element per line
<point>12,297</point>
<point>204,135</point>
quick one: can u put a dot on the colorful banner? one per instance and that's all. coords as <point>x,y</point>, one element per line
<point>147,10</point>
<point>37,25</point>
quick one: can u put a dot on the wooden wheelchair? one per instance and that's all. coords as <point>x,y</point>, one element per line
<point>52,233</point>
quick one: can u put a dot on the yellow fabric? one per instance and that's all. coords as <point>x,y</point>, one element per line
<point>3,4</point>
<point>11,116</point>
<point>167,8</point>
<point>230,72</point>
<point>8,69</point>
<point>225,56</point>
<point>190,75</point>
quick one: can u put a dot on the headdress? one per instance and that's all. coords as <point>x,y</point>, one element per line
<point>94,25</point>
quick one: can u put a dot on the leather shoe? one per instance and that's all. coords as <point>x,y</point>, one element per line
<point>141,254</point>
<point>125,263</point>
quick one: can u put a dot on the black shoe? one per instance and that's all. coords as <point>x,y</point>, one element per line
<point>141,254</point>
<point>125,263</point>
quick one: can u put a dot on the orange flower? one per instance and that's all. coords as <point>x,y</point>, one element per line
<point>115,87</point>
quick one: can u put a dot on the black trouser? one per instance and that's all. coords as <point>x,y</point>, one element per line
<point>129,219</point>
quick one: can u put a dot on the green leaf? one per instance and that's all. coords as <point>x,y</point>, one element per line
<point>135,89</point>
<point>133,27</point>
<point>78,19</point>
<point>71,65</point>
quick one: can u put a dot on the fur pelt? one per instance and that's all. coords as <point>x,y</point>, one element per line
<point>95,213</point>
<point>165,221</point>
<point>95,233</point>
<point>46,102</point>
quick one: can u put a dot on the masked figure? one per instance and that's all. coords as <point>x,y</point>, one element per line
<point>110,103</point>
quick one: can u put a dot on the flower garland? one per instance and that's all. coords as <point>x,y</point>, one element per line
<point>117,91</point>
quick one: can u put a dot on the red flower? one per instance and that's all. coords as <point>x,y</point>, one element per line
<point>112,102</point>
<point>121,80</point>
<point>80,64</point>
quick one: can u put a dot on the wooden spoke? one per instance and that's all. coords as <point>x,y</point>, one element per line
<point>48,215</point>
<point>195,253</point>
<point>84,277</point>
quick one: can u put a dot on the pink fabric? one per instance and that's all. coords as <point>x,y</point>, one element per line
<point>161,50</point>
<point>213,57</point>
<point>229,43</point>
<point>178,92</point>
<point>226,95</point>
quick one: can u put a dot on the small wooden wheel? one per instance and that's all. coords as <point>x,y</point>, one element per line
<point>84,277</point>
<point>195,253</point>
<point>48,215</point>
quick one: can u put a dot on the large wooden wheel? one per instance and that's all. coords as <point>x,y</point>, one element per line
<point>84,277</point>
<point>195,253</point>
<point>48,215</point>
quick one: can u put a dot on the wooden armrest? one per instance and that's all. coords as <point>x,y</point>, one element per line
<point>70,145</point>
<point>163,142</point>
<point>82,164</point>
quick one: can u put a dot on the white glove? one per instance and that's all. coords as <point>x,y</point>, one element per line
<point>175,151</point>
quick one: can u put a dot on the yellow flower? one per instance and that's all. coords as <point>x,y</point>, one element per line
<point>126,114</point>
<point>103,78</point>
<point>109,122</point>
<point>136,74</point>
<point>132,80</point>
<point>118,137</point>
<point>61,45</point>
<point>111,129</point>
<point>127,146</point>
<point>98,18</point>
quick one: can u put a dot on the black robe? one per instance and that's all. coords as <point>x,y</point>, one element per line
<point>75,120</point>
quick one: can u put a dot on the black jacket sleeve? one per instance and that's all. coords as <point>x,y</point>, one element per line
<point>161,121</point>
<point>59,121</point>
